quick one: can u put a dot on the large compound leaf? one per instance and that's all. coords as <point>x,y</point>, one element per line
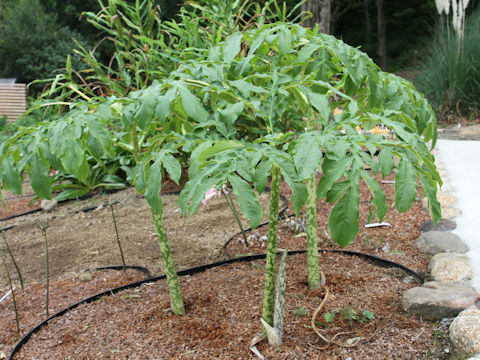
<point>405,186</point>
<point>246,199</point>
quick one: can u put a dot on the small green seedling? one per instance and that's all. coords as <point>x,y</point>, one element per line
<point>301,312</point>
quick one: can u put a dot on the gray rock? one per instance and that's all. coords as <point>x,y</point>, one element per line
<point>450,267</point>
<point>465,331</point>
<point>434,242</point>
<point>436,300</point>
<point>48,205</point>
<point>442,225</point>
<point>85,277</point>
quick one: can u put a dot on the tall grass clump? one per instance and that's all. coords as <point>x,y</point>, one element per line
<point>451,76</point>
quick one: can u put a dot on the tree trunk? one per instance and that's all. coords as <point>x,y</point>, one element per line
<point>382,37</point>
<point>321,14</point>
<point>368,22</point>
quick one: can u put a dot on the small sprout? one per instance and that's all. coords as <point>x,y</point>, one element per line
<point>301,311</point>
<point>329,317</point>
<point>367,315</point>
<point>350,314</point>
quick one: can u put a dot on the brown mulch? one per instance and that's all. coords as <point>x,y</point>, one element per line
<point>224,305</point>
<point>223,310</point>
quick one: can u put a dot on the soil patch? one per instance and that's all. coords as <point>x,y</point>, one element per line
<point>223,312</point>
<point>79,240</point>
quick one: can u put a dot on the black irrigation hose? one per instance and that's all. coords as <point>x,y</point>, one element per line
<point>148,274</point>
<point>372,258</point>
<point>192,271</point>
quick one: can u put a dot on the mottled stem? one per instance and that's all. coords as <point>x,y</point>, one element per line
<point>275,333</point>
<point>170,271</point>
<point>312,239</point>
<point>271,260</point>
<point>311,224</point>
<point>13,259</point>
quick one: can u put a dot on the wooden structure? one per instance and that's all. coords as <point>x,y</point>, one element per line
<point>12,100</point>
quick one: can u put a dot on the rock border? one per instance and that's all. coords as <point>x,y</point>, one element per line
<point>449,294</point>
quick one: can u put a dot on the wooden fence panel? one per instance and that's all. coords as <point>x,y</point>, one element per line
<point>12,100</point>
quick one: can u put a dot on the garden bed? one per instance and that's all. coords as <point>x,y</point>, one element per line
<point>224,303</point>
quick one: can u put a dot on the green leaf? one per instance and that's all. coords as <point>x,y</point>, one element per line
<point>192,105</point>
<point>321,104</point>
<point>220,147</point>
<point>379,198</point>
<point>10,176</point>
<point>337,190</point>
<point>173,167</point>
<point>72,156</point>
<point>431,192</point>
<point>405,186</point>
<point>343,220</point>
<point>231,47</point>
<point>333,170</point>
<point>148,104</point>
<point>246,199</point>
<point>71,194</point>
<point>98,131</point>
<point>39,178</point>
<point>308,156</point>
<point>154,185</point>
<point>329,317</point>
<point>231,113</point>
<point>162,109</point>
<point>284,41</point>
<point>385,160</point>
<point>261,175</point>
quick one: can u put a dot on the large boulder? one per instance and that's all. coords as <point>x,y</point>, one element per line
<point>436,300</point>
<point>450,267</point>
<point>434,242</point>
<point>465,331</point>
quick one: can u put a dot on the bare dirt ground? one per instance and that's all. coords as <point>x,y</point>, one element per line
<point>79,240</point>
